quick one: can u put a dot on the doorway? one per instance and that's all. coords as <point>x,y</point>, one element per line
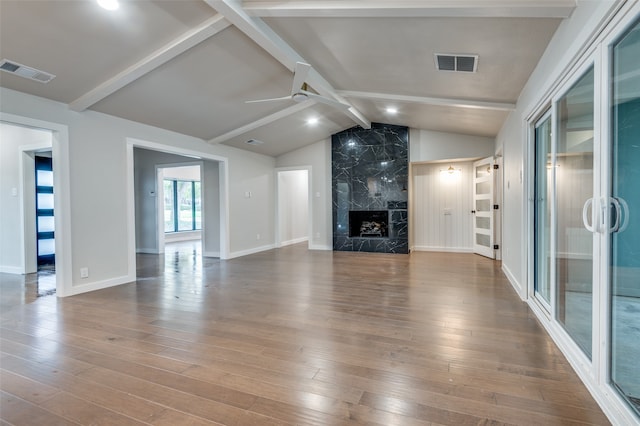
<point>146,199</point>
<point>293,221</point>
<point>23,139</point>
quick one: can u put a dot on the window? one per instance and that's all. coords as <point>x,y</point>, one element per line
<point>182,206</point>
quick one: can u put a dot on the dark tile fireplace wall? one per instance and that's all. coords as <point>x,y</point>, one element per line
<point>370,171</point>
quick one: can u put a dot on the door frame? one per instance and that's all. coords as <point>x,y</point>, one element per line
<point>223,170</point>
<point>62,203</point>
<point>308,169</point>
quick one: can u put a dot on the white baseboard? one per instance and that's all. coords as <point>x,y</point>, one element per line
<point>11,269</point>
<point>320,247</point>
<point>233,255</point>
<point>617,410</point>
<point>99,285</point>
<point>182,236</point>
<point>443,249</point>
<point>147,251</point>
<point>517,286</point>
<point>294,241</point>
<point>211,254</point>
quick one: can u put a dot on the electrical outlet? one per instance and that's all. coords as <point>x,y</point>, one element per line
<point>257,236</point>
<point>84,272</point>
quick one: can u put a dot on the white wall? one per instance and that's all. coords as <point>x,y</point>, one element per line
<point>293,206</point>
<point>442,205</point>
<point>566,43</point>
<point>318,157</point>
<point>11,139</point>
<point>183,172</point>
<point>427,145</point>
<point>98,210</point>
<point>211,209</point>
<point>147,192</point>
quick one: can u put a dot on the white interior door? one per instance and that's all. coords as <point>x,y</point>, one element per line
<point>483,207</point>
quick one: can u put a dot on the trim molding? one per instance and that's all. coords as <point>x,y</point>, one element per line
<point>294,241</point>
<point>443,249</point>
<point>148,251</point>
<point>234,254</point>
<point>320,247</point>
<point>11,269</point>
<point>517,286</point>
<point>99,285</point>
<point>211,254</point>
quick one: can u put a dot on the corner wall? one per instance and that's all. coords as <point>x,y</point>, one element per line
<point>318,157</point>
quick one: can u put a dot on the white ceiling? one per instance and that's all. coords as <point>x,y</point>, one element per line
<point>190,65</point>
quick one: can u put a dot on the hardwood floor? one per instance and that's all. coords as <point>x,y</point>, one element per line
<point>290,336</point>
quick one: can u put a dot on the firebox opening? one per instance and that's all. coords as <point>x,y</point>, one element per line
<point>368,223</point>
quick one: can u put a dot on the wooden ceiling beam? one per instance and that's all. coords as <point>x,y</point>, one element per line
<point>161,56</point>
<point>273,44</point>
<point>412,8</point>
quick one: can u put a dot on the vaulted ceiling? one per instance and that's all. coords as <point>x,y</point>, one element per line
<point>190,65</point>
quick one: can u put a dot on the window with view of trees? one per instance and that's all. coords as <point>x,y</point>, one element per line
<point>182,206</point>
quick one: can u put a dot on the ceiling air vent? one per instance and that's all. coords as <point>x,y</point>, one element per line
<point>25,71</point>
<point>458,63</point>
<point>254,142</point>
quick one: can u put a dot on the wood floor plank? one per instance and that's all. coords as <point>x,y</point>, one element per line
<point>290,337</point>
<point>18,412</point>
<point>94,392</point>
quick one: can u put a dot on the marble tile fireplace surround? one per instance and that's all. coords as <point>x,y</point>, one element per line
<point>370,171</point>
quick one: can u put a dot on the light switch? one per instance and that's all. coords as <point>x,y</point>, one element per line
<point>447,211</point>
<point>14,192</point>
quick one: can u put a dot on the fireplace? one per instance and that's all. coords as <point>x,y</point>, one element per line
<point>368,223</point>
<point>369,175</point>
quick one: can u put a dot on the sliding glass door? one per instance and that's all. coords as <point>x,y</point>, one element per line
<point>542,210</point>
<point>563,236</point>
<point>585,216</point>
<point>574,199</point>
<point>625,226</point>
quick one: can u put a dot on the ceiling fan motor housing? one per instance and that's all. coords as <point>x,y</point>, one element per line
<point>299,97</point>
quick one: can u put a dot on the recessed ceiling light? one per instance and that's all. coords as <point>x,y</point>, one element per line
<point>312,121</point>
<point>109,4</point>
<point>392,110</point>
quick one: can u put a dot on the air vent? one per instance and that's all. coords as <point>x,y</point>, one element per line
<point>25,71</point>
<point>456,63</point>
<point>254,142</point>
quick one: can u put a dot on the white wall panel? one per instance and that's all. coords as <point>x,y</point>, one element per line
<point>442,205</point>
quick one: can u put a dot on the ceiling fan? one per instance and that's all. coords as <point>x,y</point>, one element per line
<point>300,92</point>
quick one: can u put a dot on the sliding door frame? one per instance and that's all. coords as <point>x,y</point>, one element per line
<point>595,373</point>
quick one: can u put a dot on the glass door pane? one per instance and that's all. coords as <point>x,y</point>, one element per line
<point>625,235</point>
<point>45,222</point>
<point>185,206</point>
<point>169,220</point>
<point>574,188</point>
<point>542,211</point>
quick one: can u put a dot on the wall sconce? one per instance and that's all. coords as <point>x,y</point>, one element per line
<point>450,171</point>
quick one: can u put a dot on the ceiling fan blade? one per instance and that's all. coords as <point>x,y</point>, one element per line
<point>326,101</point>
<point>284,98</point>
<point>300,74</point>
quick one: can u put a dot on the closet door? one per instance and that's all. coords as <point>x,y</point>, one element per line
<point>624,256</point>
